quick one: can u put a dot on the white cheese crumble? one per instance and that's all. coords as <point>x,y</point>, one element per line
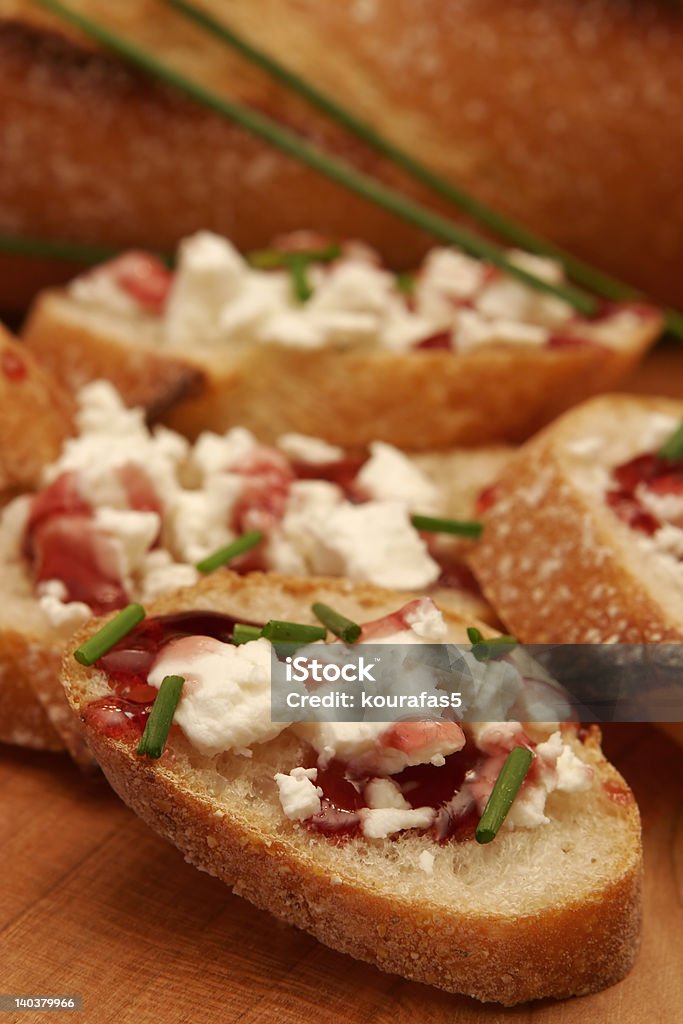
<point>383,822</point>
<point>311,450</point>
<point>389,475</point>
<point>299,798</point>
<point>225,703</point>
<point>217,298</point>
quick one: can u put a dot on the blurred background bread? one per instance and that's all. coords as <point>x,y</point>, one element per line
<point>564,114</point>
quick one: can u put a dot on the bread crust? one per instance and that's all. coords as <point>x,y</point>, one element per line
<point>563,950</point>
<point>419,72</point>
<point>417,401</point>
<point>552,560</point>
<point>37,416</point>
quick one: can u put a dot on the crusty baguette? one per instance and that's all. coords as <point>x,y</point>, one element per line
<point>498,97</point>
<point>416,400</point>
<point>36,416</point>
<point>554,560</point>
<point>547,912</point>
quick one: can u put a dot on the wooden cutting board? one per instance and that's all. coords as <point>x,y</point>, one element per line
<point>92,902</point>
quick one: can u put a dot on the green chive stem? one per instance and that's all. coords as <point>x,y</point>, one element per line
<point>505,789</point>
<point>243,633</point>
<point>672,449</point>
<point>301,286</point>
<point>346,629</point>
<point>50,249</point>
<point>278,631</point>
<point>332,167</point>
<point>274,259</point>
<point>159,722</point>
<point>113,631</point>
<point>459,527</point>
<point>224,555</point>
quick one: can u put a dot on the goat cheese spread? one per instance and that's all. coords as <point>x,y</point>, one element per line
<point>215,297</point>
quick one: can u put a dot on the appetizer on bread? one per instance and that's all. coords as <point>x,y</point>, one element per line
<point>329,343</point>
<point>126,513</point>
<point>583,536</point>
<point>366,835</point>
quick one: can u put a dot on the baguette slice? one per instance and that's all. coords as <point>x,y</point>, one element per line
<point>416,400</point>
<point>36,416</point>
<point>555,561</point>
<point>552,911</point>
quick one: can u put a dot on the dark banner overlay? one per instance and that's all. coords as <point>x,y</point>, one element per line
<point>422,682</point>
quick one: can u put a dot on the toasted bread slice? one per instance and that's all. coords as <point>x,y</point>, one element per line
<point>555,560</point>
<point>348,393</point>
<point>36,416</point>
<point>552,911</point>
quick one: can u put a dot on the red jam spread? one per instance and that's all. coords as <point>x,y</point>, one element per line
<point>422,785</point>
<point>123,714</point>
<point>661,476</point>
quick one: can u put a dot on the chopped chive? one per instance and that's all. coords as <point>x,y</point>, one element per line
<point>159,722</point>
<point>278,631</point>
<point>460,527</point>
<point>405,282</point>
<point>242,633</point>
<point>505,789</point>
<point>224,555</point>
<point>495,647</point>
<point>672,449</point>
<point>114,630</point>
<point>276,259</point>
<point>344,628</point>
<point>298,269</point>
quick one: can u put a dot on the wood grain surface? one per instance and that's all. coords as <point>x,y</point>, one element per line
<point>93,903</point>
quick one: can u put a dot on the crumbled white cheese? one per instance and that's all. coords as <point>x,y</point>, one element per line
<point>379,793</point>
<point>209,274</point>
<point>63,616</point>
<point>667,508</point>
<point>472,330</point>
<point>161,575</point>
<point>667,540</point>
<point>311,450</point>
<point>389,475</point>
<point>299,798</point>
<point>382,748</point>
<point>133,534</point>
<point>427,622</point>
<point>559,769</point>
<point>110,437</point>
<point>212,453</point>
<point>216,297</point>
<point>376,543</point>
<point>98,288</point>
<point>225,703</point>
<point>383,822</point>
<point>426,862</point>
